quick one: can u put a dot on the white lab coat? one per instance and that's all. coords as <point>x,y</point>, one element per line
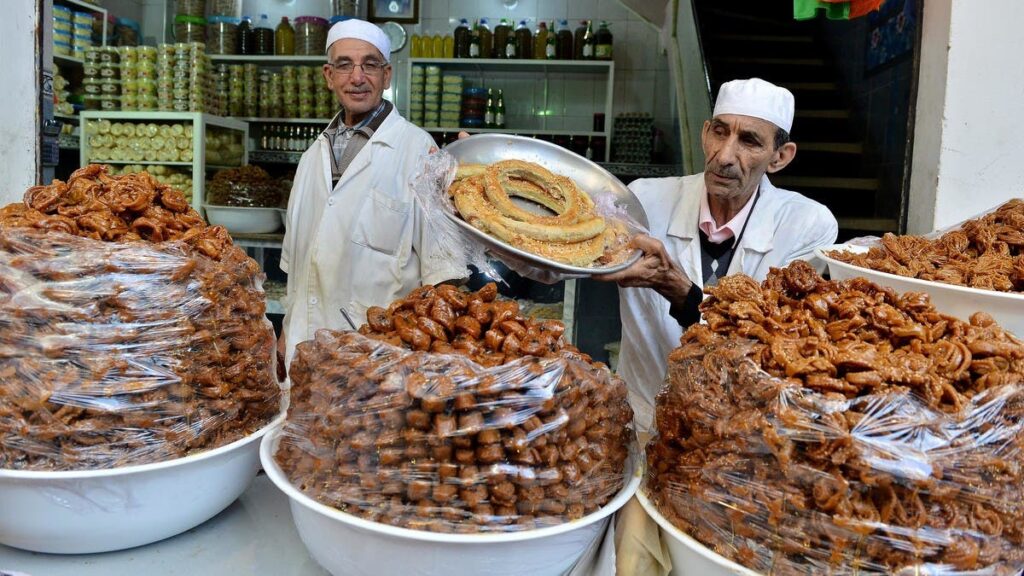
<point>363,243</point>
<point>783,226</point>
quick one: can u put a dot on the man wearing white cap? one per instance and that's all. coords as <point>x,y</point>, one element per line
<point>355,237</point>
<point>729,219</point>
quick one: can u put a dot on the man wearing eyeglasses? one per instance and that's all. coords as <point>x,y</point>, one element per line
<point>354,236</point>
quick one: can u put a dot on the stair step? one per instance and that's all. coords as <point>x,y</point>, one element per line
<point>810,86</point>
<point>831,114</point>
<point>834,183</point>
<point>835,147</point>
<point>870,224</point>
<point>771,61</point>
<point>762,38</point>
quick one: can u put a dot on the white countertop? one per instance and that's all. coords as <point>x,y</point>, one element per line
<point>253,536</point>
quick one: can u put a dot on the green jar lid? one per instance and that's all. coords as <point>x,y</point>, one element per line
<point>186,19</point>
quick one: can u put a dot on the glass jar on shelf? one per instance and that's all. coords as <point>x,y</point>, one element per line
<point>222,34</point>
<point>310,35</point>
<point>189,28</point>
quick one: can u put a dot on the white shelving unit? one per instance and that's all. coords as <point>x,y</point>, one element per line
<point>267,60</point>
<point>483,69</point>
<point>200,123</point>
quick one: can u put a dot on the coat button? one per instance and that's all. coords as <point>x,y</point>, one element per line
<point>330,202</point>
<point>313,300</point>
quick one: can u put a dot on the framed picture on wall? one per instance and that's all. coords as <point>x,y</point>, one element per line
<point>404,11</point>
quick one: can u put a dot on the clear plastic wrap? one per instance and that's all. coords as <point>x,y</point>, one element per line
<point>986,252</point>
<point>816,427</point>
<point>433,191</point>
<point>148,346</point>
<point>465,438</point>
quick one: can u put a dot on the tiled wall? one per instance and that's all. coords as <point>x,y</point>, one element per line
<point>641,71</point>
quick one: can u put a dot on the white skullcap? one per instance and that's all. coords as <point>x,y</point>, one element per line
<point>360,30</point>
<point>757,98</point>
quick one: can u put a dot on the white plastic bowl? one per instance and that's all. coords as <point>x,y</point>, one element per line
<point>242,220</point>
<point>1007,308</point>
<point>690,557</point>
<point>351,546</point>
<point>83,512</point>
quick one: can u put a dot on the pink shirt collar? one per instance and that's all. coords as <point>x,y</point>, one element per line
<point>718,234</point>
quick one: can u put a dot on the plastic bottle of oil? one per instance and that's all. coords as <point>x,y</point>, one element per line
<point>415,46</point>
<point>449,46</point>
<point>486,38</point>
<point>540,41</point>
<point>284,38</point>
<point>501,33</point>
<point>524,41</point>
<point>437,45</point>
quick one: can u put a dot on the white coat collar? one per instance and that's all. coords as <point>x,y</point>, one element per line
<point>759,231</point>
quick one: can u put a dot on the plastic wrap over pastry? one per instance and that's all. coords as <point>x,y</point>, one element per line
<point>130,332</point>
<point>816,427</point>
<point>575,230</point>
<point>984,252</point>
<point>491,423</point>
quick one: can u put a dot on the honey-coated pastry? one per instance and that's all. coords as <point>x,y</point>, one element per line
<point>986,253</point>
<point>130,332</point>
<point>823,427</point>
<point>422,420</point>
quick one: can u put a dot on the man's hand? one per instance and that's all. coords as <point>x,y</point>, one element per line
<point>655,270</point>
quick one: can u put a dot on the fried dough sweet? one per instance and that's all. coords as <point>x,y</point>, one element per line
<point>575,235</point>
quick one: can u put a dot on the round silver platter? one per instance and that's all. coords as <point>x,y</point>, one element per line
<point>591,178</point>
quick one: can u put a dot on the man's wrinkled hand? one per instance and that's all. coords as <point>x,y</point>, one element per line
<point>655,269</point>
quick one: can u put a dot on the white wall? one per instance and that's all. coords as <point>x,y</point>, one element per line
<point>970,113</point>
<point>19,115</point>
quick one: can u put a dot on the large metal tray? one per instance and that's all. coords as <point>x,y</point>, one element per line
<point>591,178</point>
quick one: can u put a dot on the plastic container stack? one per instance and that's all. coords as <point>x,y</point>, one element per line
<point>251,90</point>
<point>416,95</point>
<point>305,82</point>
<point>81,29</point>
<point>102,79</point>
<point>290,92</point>
<point>451,98</point>
<point>62,30</point>
<point>432,96</point>
<point>474,107</point>
<point>129,78</point>
<point>184,79</point>
<point>236,90</point>
<point>633,138</point>
<point>147,83</point>
<point>326,103</point>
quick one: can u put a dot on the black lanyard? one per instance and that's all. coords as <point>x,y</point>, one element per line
<point>726,260</point>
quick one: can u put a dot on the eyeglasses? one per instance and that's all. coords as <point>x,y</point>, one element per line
<point>370,68</point>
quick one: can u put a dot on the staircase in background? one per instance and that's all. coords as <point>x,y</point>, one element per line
<point>747,38</point>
